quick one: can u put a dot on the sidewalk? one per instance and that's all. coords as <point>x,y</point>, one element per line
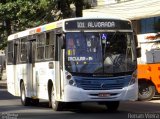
<point>3,84</point>
<point>3,81</point>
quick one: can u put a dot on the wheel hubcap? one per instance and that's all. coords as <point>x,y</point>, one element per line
<point>145,91</point>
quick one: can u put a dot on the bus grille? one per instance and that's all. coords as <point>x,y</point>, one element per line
<point>101,84</point>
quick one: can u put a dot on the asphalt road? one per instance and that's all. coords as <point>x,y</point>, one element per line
<point>11,108</point>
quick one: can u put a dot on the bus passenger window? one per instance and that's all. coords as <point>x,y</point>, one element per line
<point>49,48</point>
<point>23,50</point>
<point>40,46</point>
<point>47,38</point>
<point>40,53</point>
<point>10,52</point>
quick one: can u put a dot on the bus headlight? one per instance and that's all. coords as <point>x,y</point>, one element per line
<point>133,78</point>
<point>71,82</point>
<point>68,75</point>
<point>70,79</point>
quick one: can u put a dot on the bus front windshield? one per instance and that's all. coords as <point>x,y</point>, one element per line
<point>100,53</point>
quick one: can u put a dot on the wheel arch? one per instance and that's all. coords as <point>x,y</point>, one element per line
<point>21,81</point>
<point>147,81</point>
<point>49,85</point>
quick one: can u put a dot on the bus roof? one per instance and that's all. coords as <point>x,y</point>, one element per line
<point>36,30</point>
<point>54,25</point>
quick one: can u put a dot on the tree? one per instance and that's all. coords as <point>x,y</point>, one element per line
<point>79,7</point>
<point>18,15</point>
<point>66,11</point>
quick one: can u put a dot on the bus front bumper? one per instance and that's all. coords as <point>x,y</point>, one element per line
<point>74,94</point>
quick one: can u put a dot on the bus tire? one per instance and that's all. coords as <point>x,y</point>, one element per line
<point>56,105</point>
<point>24,100</point>
<point>112,106</point>
<point>146,91</point>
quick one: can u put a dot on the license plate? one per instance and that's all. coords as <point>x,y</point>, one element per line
<point>103,94</point>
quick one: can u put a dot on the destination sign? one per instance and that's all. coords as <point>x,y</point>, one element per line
<point>97,24</point>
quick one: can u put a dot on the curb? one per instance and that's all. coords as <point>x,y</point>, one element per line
<point>3,84</point>
<point>3,87</point>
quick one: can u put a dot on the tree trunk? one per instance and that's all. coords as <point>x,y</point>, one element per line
<point>8,27</point>
<point>64,6</point>
<point>79,8</point>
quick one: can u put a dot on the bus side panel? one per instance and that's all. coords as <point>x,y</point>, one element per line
<point>143,72</point>
<point>22,74</point>
<point>155,75</point>
<point>10,79</point>
<point>150,72</point>
<point>43,74</point>
<point>15,73</point>
<point>16,81</point>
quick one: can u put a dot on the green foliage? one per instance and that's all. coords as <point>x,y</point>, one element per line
<point>18,15</point>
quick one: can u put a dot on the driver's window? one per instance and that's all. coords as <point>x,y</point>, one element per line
<point>115,48</point>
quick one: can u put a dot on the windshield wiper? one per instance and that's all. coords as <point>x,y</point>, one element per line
<point>114,35</point>
<point>104,46</point>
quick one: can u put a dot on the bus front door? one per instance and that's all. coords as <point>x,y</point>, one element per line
<point>33,80</point>
<point>15,69</point>
<point>58,67</point>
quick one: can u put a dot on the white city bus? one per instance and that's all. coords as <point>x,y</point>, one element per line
<point>74,60</point>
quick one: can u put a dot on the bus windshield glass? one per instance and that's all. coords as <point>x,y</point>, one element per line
<point>100,52</point>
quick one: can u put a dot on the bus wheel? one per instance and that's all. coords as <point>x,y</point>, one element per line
<point>112,106</point>
<point>56,105</point>
<point>24,100</point>
<point>146,91</point>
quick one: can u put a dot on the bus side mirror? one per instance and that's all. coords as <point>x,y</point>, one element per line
<point>62,42</point>
<point>138,51</point>
<point>135,38</point>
